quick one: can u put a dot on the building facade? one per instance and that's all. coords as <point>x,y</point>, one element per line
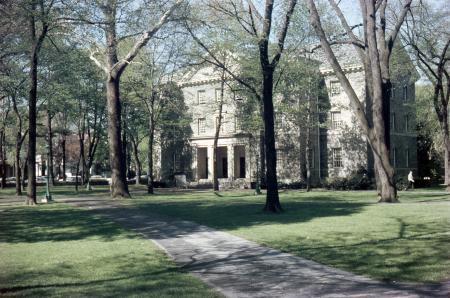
<point>335,144</point>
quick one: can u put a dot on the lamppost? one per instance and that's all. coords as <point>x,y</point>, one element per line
<point>48,196</point>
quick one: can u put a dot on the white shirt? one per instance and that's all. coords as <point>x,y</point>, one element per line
<point>410,177</point>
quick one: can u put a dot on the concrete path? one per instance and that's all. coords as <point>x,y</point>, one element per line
<point>240,268</point>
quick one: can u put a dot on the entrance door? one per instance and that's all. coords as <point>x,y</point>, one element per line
<point>224,167</point>
<point>242,167</point>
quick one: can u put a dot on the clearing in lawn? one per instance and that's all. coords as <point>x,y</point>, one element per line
<point>409,241</point>
<point>57,250</point>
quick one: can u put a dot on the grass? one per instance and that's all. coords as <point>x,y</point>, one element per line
<point>59,251</point>
<point>409,241</point>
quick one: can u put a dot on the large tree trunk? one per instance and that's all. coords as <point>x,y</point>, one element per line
<point>375,134</point>
<point>151,138</point>
<point>32,115</point>
<point>119,187</point>
<point>36,42</point>
<point>114,70</point>
<point>385,170</point>
<point>272,198</point>
<point>387,182</point>
<point>386,93</point>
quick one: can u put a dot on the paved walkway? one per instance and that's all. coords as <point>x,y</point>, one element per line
<point>240,268</point>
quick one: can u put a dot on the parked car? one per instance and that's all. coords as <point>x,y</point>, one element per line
<point>73,179</point>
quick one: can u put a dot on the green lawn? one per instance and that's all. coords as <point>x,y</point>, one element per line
<point>409,241</point>
<point>56,250</point>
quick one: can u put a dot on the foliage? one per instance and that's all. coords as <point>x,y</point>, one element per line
<point>175,131</point>
<point>429,135</point>
<point>357,180</point>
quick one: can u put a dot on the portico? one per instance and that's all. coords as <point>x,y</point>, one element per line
<point>231,161</point>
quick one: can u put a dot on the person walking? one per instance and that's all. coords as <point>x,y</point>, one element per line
<point>410,181</point>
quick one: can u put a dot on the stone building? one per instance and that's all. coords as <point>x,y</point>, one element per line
<point>336,147</point>
<point>236,150</point>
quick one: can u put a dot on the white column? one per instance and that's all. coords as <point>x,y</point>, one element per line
<point>194,165</point>
<point>230,159</point>
<point>248,158</point>
<point>210,162</point>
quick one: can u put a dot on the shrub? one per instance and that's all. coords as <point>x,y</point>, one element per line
<point>292,185</point>
<point>355,181</point>
<point>401,183</point>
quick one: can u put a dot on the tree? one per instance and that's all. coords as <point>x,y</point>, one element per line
<point>430,147</point>
<point>12,86</point>
<point>38,15</point>
<point>374,52</point>
<point>259,27</point>
<point>5,109</point>
<point>113,13</point>
<point>174,132</point>
<point>136,126</point>
<point>20,138</point>
<point>299,89</point>
<point>149,83</point>
<point>219,123</point>
<point>429,43</point>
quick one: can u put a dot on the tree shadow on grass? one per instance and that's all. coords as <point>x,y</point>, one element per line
<point>124,276</point>
<point>416,253</point>
<point>55,223</point>
<point>229,215</point>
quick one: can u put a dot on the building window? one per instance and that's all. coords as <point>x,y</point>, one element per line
<point>336,120</point>
<point>393,121</point>
<point>407,157</point>
<point>201,125</point>
<point>278,120</point>
<point>237,124</point>
<point>406,123</point>
<point>405,93</point>
<point>221,124</point>
<point>218,91</point>
<point>337,157</point>
<point>335,88</point>
<point>280,159</point>
<point>201,96</point>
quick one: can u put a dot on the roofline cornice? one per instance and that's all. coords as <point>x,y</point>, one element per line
<point>347,69</point>
<point>325,72</point>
